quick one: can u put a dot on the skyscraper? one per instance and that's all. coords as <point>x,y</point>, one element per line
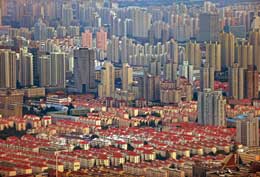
<point>113,50</point>
<point>67,14</point>
<point>8,69</point>
<point>227,41</point>
<point>170,71</point>
<point>87,39</point>
<point>141,22</point>
<point>236,79</point>
<point>173,51</point>
<point>254,39</point>
<point>107,86</point>
<point>127,76</point>
<point>213,55</point>
<point>152,87</point>
<point>211,108</point>
<point>209,27</point>
<point>193,54</point>
<point>40,30</point>
<point>45,71</point>
<point>247,130</point>
<point>58,77</point>
<point>244,54</point>
<point>186,70</point>
<point>251,82</point>
<point>26,68</point>
<point>84,69</point>
<point>101,39</point>
<point>206,77</point>
<point>154,67</point>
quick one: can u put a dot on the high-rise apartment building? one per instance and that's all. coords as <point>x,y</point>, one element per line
<point>40,31</point>
<point>127,76</point>
<point>152,87</point>
<point>227,41</point>
<point>186,70</point>
<point>154,67</point>
<point>25,68</point>
<point>52,70</point>
<point>107,86</point>
<point>45,71</point>
<point>8,69</point>
<point>170,71</point>
<point>193,54</point>
<point>254,39</point>
<point>251,82</point>
<point>58,74</point>
<point>173,51</point>
<point>244,54</point>
<point>84,69</point>
<point>87,39</point>
<point>141,22</point>
<point>206,77</point>
<point>247,130</point>
<point>213,55</point>
<point>67,15</point>
<point>236,81</point>
<point>101,39</point>
<point>211,108</point>
<point>113,50</point>
<point>208,27</point>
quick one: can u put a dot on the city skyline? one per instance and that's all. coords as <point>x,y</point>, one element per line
<point>148,88</point>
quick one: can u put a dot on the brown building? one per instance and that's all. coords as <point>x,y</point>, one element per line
<point>247,130</point>
<point>152,87</point>
<point>11,102</point>
<point>8,69</point>
<point>251,82</point>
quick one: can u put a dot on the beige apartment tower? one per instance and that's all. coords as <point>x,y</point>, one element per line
<point>173,51</point>
<point>8,69</point>
<point>236,80</point>
<point>58,74</point>
<point>206,77</point>
<point>170,71</point>
<point>211,108</point>
<point>227,41</point>
<point>244,54</point>
<point>247,128</point>
<point>127,76</point>
<point>254,39</point>
<point>45,71</point>
<point>107,86</point>
<point>25,73</point>
<point>213,55</point>
<point>193,54</point>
